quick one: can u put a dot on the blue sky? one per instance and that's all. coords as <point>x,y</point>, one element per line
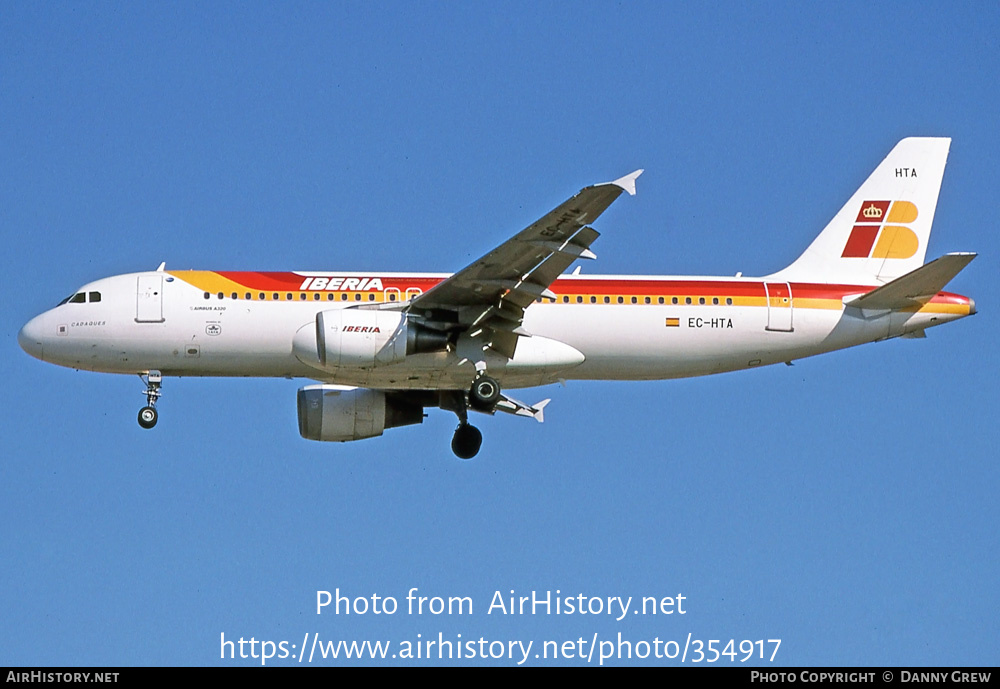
<point>845,505</point>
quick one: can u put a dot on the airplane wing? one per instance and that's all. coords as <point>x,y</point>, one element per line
<point>488,297</point>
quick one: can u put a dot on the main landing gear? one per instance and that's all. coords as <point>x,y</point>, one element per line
<point>484,393</point>
<point>482,396</point>
<point>148,415</point>
<point>466,441</point>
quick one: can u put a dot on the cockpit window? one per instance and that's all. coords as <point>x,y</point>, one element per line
<point>81,298</point>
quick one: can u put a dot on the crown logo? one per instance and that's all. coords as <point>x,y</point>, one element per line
<point>873,211</point>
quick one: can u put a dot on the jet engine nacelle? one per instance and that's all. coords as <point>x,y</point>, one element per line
<point>337,413</point>
<point>365,338</point>
<point>356,337</point>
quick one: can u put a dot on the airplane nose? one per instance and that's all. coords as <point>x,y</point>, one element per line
<point>30,337</point>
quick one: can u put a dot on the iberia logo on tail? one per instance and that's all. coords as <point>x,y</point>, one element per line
<point>885,221</point>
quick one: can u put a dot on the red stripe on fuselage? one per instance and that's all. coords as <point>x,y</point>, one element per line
<point>276,281</point>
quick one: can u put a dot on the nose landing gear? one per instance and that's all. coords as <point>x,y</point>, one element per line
<point>148,415</point>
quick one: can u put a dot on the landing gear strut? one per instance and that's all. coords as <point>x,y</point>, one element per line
<point>148,415</point>
<point>482,396</point>
<point>467,439</point>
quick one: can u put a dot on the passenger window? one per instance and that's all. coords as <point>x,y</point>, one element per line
<point>593,300</point>
<point>621,300</point>
<point>673,300</point>
<point>207,295</point>
<point>94,297</point>
<point>634,300</point>
<point>729,301</point>
<point>715,300</point>
<point>687,300</point>
<point>701,300</point>
<point>607,300</point>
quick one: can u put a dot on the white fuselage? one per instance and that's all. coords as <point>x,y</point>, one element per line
<point>183,323</point>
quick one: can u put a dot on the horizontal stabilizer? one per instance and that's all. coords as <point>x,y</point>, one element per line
<point>916,287</point>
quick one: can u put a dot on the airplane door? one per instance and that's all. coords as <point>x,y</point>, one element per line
<point>149,299</point>
<point>779,306</point>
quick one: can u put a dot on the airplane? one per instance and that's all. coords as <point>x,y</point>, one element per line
<point>383,347</point>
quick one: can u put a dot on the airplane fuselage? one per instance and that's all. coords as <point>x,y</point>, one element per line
<point>203,323</point>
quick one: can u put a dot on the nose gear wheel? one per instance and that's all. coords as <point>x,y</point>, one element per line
<point>147,417</point>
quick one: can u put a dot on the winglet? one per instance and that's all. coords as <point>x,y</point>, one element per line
<point>512,406</point>
<point>538,416</point>
<point>628,182</point>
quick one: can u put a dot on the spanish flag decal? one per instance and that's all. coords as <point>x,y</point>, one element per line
<point>673,322</point>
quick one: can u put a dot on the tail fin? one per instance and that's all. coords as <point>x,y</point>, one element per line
<point>882,232</point>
